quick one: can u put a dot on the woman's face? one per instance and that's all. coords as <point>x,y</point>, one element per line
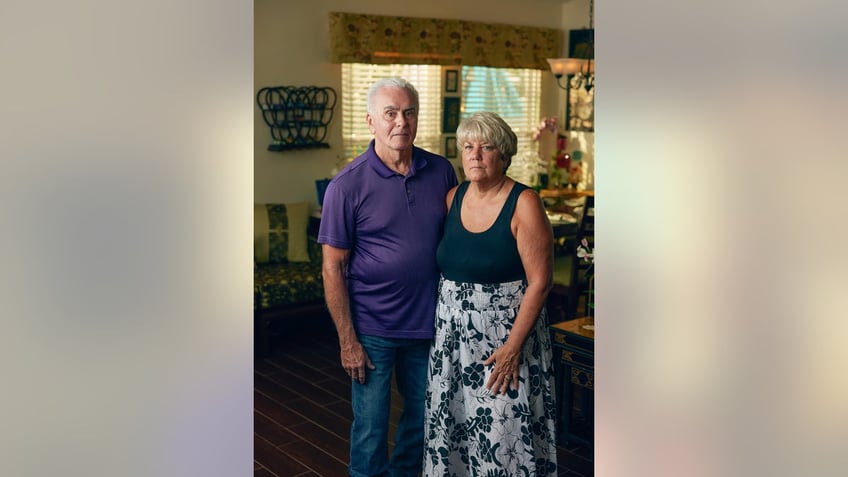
<point>482,161</point>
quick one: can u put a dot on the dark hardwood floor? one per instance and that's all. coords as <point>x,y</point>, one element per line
<point>302,410</point>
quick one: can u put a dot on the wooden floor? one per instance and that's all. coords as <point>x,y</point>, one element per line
<point>302,410</point>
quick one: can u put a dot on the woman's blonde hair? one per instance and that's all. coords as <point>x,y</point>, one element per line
<point>485,126</point>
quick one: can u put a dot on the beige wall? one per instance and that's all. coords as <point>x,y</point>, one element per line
<point>291,48</point>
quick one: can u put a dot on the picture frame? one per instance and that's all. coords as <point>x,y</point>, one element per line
<point>581,43</point>
<point>450,115</point>
<point>451,81</point>
<point>450,147</point>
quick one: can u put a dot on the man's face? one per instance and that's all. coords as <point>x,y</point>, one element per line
<point>394,118</point>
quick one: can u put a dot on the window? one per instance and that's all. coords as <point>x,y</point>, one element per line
<point>512,93</point>
<point>515,94</point>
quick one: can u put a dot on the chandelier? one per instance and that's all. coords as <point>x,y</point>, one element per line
<point>582,66</point>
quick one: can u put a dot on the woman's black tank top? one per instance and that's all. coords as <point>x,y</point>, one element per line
<point>486,257</point>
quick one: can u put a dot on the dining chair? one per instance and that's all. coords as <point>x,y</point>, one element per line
<point>583,272</point>
<point>563,297</point>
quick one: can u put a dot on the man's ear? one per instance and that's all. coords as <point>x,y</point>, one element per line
<point>370,121</point>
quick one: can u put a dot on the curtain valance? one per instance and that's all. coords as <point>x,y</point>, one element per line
<point>379,39</point>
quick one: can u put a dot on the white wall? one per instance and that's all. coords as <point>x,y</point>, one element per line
<point>291,47</point>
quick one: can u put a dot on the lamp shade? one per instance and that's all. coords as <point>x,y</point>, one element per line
<point>570,66</point>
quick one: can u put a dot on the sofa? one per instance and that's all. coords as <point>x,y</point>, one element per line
<point>287,283</point>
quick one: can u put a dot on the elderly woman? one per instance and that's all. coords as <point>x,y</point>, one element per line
<point>490,399</point>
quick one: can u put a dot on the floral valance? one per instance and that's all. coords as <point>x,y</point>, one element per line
<point>379,39</point>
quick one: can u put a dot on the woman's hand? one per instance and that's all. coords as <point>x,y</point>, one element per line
<point>505,370</point>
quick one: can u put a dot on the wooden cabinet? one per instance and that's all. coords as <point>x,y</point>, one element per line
<point>574,359</point>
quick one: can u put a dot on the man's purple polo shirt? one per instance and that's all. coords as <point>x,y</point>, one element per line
<point>392,225</point>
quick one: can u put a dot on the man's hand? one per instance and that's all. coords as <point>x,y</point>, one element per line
<point>355,360</point>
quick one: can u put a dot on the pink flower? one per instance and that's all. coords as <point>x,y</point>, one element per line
<point>547,124</point>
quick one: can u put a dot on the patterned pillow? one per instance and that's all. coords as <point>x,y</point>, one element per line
<point>279,232</point>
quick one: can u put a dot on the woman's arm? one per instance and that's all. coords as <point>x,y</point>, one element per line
<point>534,237</point>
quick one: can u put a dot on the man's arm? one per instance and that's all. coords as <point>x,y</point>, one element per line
<point>353,356</point>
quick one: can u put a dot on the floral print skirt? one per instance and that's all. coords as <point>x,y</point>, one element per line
<point>469,431</point>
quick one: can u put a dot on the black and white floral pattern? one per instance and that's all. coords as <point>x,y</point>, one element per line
<point>468,430</point>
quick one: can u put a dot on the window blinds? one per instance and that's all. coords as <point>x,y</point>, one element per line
<point>511,93</point>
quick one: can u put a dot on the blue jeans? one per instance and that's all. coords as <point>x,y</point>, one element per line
<point>371,404</point>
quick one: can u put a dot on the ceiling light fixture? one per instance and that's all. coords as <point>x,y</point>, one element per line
<point>582,67</point>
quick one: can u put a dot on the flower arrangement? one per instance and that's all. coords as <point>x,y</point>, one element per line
<point>547,124</point>
<point>546,134</point>
<point>562,167</point>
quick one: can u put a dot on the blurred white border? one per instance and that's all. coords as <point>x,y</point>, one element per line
<point>125,192</point>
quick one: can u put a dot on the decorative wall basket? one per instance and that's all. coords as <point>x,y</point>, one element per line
<point>298,116</point>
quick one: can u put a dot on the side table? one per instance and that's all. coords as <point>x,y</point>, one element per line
<point>574,358</point>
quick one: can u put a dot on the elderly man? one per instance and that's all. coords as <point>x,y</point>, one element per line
<point>381,222</point>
